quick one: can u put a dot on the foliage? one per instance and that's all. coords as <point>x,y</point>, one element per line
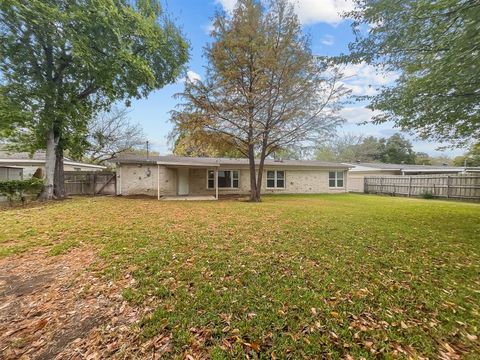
<point>63,60</point>
<point>433,47</point>
<point>471,157</point>
<point>422,158</point>
<point>17,189</point>
<point>395,149</point>
<point>264,90</point>
<point>428,195</point>
<point>197,142</point>
<point>294,277</point>
<point>111,133</point>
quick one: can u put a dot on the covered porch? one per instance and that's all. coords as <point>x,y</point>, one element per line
<point>192,182</point>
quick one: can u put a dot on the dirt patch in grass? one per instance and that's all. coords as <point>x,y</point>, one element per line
<point>59,307</point>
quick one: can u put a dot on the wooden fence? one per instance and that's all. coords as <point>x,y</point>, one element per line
<point>90,183</point>
<point>466,187</point>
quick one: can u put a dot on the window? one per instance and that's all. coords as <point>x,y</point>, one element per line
<point>77,169</point>
<point>335,179</point>
<point>226,179</point>
<point>275,179</point>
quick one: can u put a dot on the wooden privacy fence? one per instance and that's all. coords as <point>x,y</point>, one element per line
<point>90,183</point>
<point>465,187</point>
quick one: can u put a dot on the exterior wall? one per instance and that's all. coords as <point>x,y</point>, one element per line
<point>356,179</point>
<point>7,173</point>
<point>297,181</point>
<point>139,179</point>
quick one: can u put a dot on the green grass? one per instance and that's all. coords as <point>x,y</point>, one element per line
<point>291,277</point>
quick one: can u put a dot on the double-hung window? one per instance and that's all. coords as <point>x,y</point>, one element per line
<point>275,179</point>
<point>226,179</point>
<point>335,179</point>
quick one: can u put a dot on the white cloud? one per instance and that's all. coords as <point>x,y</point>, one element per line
<point>310,11</point>
<point>192,76</point>
<point>327,40</point>
<point>357,114</point>
<point>364,79</point>
<point>228,5</point>
<point>208,28</point>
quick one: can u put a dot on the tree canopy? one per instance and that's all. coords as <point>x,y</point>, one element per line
<point>350,148</point>
<point>63,60</point>
<point>434,47</point>
<point>264,90</point>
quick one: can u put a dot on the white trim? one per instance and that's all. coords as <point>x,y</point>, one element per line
<point>344,176</point>
<point>231,187</point>
<point>275,178</point>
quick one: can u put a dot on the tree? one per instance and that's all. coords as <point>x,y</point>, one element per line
<point>471,157</point>
<point>201,143</point>
<point>397,150</point>
<point>61,61</point>
<point>264,90</point>
<point>422,158</point>
<point>111,133</point>
<point>350,148</point>
<point>433,46</point>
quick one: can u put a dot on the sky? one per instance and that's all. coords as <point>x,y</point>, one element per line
<point>330,35</point>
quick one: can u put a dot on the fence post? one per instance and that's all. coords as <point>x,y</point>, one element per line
<point>381,185</point>
<point>410,186</point>
<point>448,187</point>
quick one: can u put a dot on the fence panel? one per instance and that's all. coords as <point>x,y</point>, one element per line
<point>90,183</point>
<point>465,187</point>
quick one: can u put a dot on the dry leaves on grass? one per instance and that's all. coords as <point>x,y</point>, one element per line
<point>53,307</point>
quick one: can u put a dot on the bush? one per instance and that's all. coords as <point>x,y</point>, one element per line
<point>428,195</point>
<point>17,189</point>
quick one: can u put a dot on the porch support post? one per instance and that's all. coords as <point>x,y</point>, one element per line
<point>158,182</point>
<point>216,184</point>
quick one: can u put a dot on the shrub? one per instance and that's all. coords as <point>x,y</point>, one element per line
<point>17,189</point>
<point>428,195</point>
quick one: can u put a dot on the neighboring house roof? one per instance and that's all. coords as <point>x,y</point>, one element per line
<point>19,158</point>
<point>407,168</point>
<point>215,162</point>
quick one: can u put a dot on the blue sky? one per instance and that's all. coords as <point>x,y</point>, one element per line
<point>330,35</point>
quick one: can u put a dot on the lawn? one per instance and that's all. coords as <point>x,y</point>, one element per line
<point>332,276</point>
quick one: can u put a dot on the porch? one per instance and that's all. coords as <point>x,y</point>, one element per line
<point>193,182</point>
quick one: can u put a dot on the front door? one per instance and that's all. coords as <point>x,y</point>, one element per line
<point>182,181</point>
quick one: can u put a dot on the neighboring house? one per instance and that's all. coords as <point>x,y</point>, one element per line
<point>30,164</point>
<point>10,173</point>
<point>174,176</point>
<point>359,170</point>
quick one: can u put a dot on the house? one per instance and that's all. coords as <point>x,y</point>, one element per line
<point>30,164</point>
<point>359,170</point>
<point>10,173</point>
<point>207,178</point>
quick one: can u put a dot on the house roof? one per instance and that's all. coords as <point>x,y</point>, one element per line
<point>407,168</point>
<point>19,158</point>
<point>215,162</point>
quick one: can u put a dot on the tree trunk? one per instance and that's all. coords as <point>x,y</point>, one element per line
<point>50,160</point>
<point>59,177</point>
<point>259,178</point>
<point>253,181</point>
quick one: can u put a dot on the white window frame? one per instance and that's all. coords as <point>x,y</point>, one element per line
<point>231,179</point>
<point>275,179</point>
<point>336,179</point>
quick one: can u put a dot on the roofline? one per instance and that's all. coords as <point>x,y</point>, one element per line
<point>230,164</point>
<point>36,161</point>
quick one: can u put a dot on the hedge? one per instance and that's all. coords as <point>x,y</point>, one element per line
<point>17,189</point>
